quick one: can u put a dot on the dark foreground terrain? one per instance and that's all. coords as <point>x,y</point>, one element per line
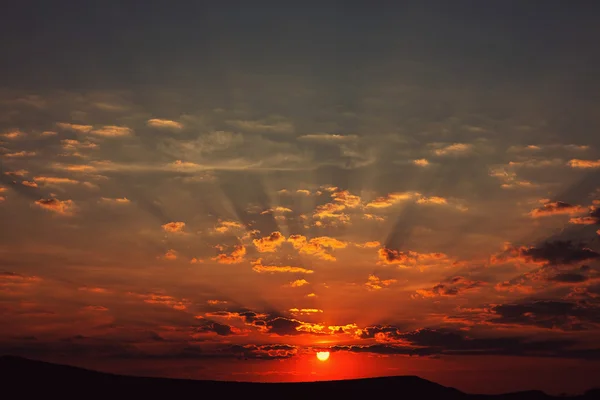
<point>22,377</point>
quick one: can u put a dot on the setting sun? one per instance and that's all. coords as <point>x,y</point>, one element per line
<point>323,355</point>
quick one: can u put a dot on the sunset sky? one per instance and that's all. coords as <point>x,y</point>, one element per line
<point>219,190</point>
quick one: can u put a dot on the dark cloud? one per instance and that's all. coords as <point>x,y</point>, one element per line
<point>560,252</point>
<point>569,277</point>
<point>550,314</point>
<point>219,329</point>
<point>283,326</point>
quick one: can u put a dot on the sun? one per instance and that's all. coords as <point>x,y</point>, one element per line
<point>323,355</point>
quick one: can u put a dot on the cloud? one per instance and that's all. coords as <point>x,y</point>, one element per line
<point>51,180</point>
<point>164,124</point>
<point>115,201</point>
<point>298,283</point>
<point>269,243</point>
<point>273,124</point>
<point>112,131</point>
<point>451,287</point>
<point>550,314</point>
<point>20,154</point>
<point>63,207</point>
<point>219,329</point>
<point>552,252</point>
<point>163,300</point>
<point>319,246</point>
<point>328,138</point>
<point>407,258</point>
<point>421,162</point>
<point>227,226</point>
<point>441,149</point>
<point>556,208</point>
<point>74,127</point>
<point>376,283</point>
<point>257,266</point>
<point>173,227</point>
<point>170,255</point>
<point>585,164</point>
<point>14,135</point>
<point>392,199</point>
<point>235,257</point>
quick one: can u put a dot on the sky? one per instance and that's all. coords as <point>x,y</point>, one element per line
<point>220,190</point>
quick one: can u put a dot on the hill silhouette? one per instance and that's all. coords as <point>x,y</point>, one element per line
<point>26,376</point>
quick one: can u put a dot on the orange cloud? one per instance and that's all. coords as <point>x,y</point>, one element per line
<point>94,290</point>
<point>577,163</point>
<point>11,281</point>
<point>74,127</point>
<point>19,154</point>
<point>112,131</point>
<point>95,308</point>
<point>50,180</point>
<point>226,226</point>
<point>376,283</point>
<point>29,184</point>
<point>257,266</point>
<point>556,208</point>
<point>14,135</point>
<point>164,123</point>
<point>236,256</point>
<point>432,200</point>
<point>170,255</point>
<point>452,287</point>
<point>318,247</point>
<point>422,162</point>
<point>583,220</point>
<point>304,311</point>
<point>453,149</point>
<point>161,299</point>
<point>21,173</point>
<point>407,258</point>
<point>269,243</point>
<point>298,283</point>
<point>195,260</point>
<point>392,199</point>
<point>216,302</point>
<point>65,207</point>
<point>122,200</point>
<point>174,227</point>
<point>368,245</point>
<point>276,210</point>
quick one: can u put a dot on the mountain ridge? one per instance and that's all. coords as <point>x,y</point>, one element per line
<point>48,377</point>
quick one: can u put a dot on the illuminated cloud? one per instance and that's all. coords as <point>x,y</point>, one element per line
<point>227,226</point>
<point>298,283</point>
<point>74,127</point>
<point>269,243</point>
<point>63,207</point>
<point>163,300</point>
<point>451,287</point>
<point>556,208</point>
<point>173,227</point>
<point>20,154</point>
<point>257,266</point>
<point>235,257</point>
<point>29,184</point>
<point>270,125</point>
<point>328,138</point>
<point>112,131</point>
<point>117,201</point>
<point>320,247</point>
<point>376,283</point>
<point>392,199</point>
<point>170,255</point>
<point>14,135</point>
<point>421,162</point>
<point>552,253</point>
<point>164,124</point>
<point>577,163</point>
<point>407,258</point>
<point>52,180</point>
<point>451,149</point>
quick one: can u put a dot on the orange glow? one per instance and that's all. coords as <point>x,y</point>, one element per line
<point>323,355</point>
